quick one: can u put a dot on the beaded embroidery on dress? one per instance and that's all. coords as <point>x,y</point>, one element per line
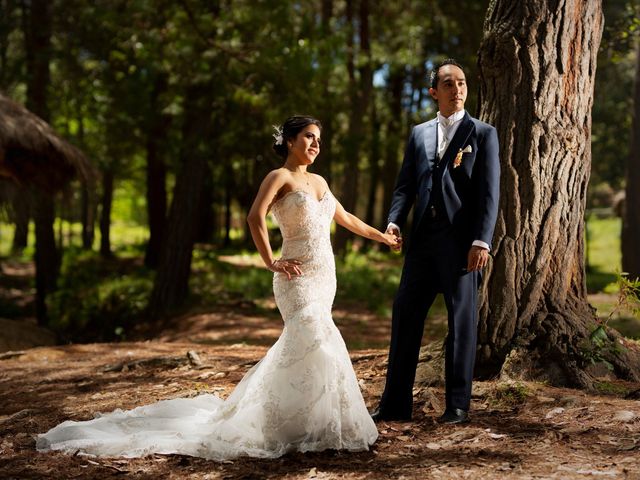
<point>302,396</point>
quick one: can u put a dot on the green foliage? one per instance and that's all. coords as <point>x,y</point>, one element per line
<point>511,393</point>
<point>629,296</point>
<point>98,300</point>
<point>609,388</point>
<point>598,348</point>
<point>371,278</point>
<point>612,105</point>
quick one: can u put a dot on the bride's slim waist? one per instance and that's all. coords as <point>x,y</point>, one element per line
<point>306,248</point>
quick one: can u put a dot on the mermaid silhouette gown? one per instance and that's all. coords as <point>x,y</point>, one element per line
<point>302,396</point>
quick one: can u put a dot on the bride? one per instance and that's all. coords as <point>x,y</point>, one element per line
<point>303,395</point>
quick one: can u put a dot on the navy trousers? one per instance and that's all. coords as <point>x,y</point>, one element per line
<point>435,263</point>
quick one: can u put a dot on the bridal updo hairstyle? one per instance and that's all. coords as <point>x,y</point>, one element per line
<point>292,127</point>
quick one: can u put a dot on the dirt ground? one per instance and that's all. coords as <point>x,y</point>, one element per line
<point>532,431</point>
<point>518,430</point>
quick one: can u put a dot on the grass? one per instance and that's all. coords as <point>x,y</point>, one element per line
<point>604,258</point>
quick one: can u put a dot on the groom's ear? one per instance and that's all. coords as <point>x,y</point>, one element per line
<point>433,92</point>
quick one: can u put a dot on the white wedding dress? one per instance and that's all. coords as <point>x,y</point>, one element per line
<point>302,396</point>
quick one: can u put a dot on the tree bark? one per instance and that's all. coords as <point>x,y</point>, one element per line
<point>538,63</point>
<point>171,284</point>
<point>105,215</point>
<point>156,175</point>
<point>360,92</point>
<point>631,219</point>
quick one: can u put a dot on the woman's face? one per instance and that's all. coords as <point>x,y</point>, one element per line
<point>305,147</point>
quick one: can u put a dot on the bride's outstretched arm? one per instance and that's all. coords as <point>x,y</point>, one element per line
<point>258,225</point>
<point>357,226</point>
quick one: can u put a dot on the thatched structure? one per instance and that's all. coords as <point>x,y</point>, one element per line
<point>31,153</point>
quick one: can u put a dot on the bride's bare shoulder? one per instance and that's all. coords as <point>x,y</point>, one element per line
<point>321,180</point>
<point>279,175</point>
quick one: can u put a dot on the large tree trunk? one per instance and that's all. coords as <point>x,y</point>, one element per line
<point>631,220</point>
<point>37,33</point>
<point>538,63</point>
<point>171,284</point>
<point>156,175</point>
<point>360,92</point>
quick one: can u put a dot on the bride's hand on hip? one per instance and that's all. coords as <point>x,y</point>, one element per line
<point>288,267</point>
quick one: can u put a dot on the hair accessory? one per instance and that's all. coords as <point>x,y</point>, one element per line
<point>278,135</point>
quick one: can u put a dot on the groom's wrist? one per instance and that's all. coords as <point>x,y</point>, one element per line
<point>481,244</point>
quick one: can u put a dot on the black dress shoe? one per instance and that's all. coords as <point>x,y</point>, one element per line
<point>377,416</point>
<point>454,415</point>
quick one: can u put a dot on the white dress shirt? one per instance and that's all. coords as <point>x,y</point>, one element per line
<point>447,128</point>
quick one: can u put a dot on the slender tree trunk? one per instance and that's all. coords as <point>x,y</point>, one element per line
<point>360,92</point>
<point>374,167</point>
<point>156,176</point>
<point>394,137</point>
<point>172,280</point>
<point>324,167</point>
<point>631,219</point>
<point>206,220</point>
<point>7,25</point>
<point>37,20</point>
<point>538,63</point>
<point>47,257</point>
<point>105,215</point>
<point>227,212</point>
<point>87,211</point>
<point>87,196</point>
<point>21,215</point>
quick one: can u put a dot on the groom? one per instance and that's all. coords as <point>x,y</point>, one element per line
<point>451,172</point>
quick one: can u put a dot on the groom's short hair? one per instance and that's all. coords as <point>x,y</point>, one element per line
<point>434,77</point>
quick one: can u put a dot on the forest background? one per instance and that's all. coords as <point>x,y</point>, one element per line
<point>173,103</point>
<point>150,89</point>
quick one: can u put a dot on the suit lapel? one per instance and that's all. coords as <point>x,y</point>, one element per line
<point>431,142</point>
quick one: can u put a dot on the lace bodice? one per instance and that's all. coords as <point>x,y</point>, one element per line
<point>305,223</point>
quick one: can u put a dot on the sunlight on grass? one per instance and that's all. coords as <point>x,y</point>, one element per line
<point>604,258</point>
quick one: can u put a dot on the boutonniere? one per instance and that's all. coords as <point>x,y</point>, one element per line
<point>458,160</point>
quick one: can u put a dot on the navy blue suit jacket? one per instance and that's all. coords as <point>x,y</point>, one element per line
<point>470,191</point>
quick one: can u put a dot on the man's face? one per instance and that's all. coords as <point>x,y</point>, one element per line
<point>451,91</point>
